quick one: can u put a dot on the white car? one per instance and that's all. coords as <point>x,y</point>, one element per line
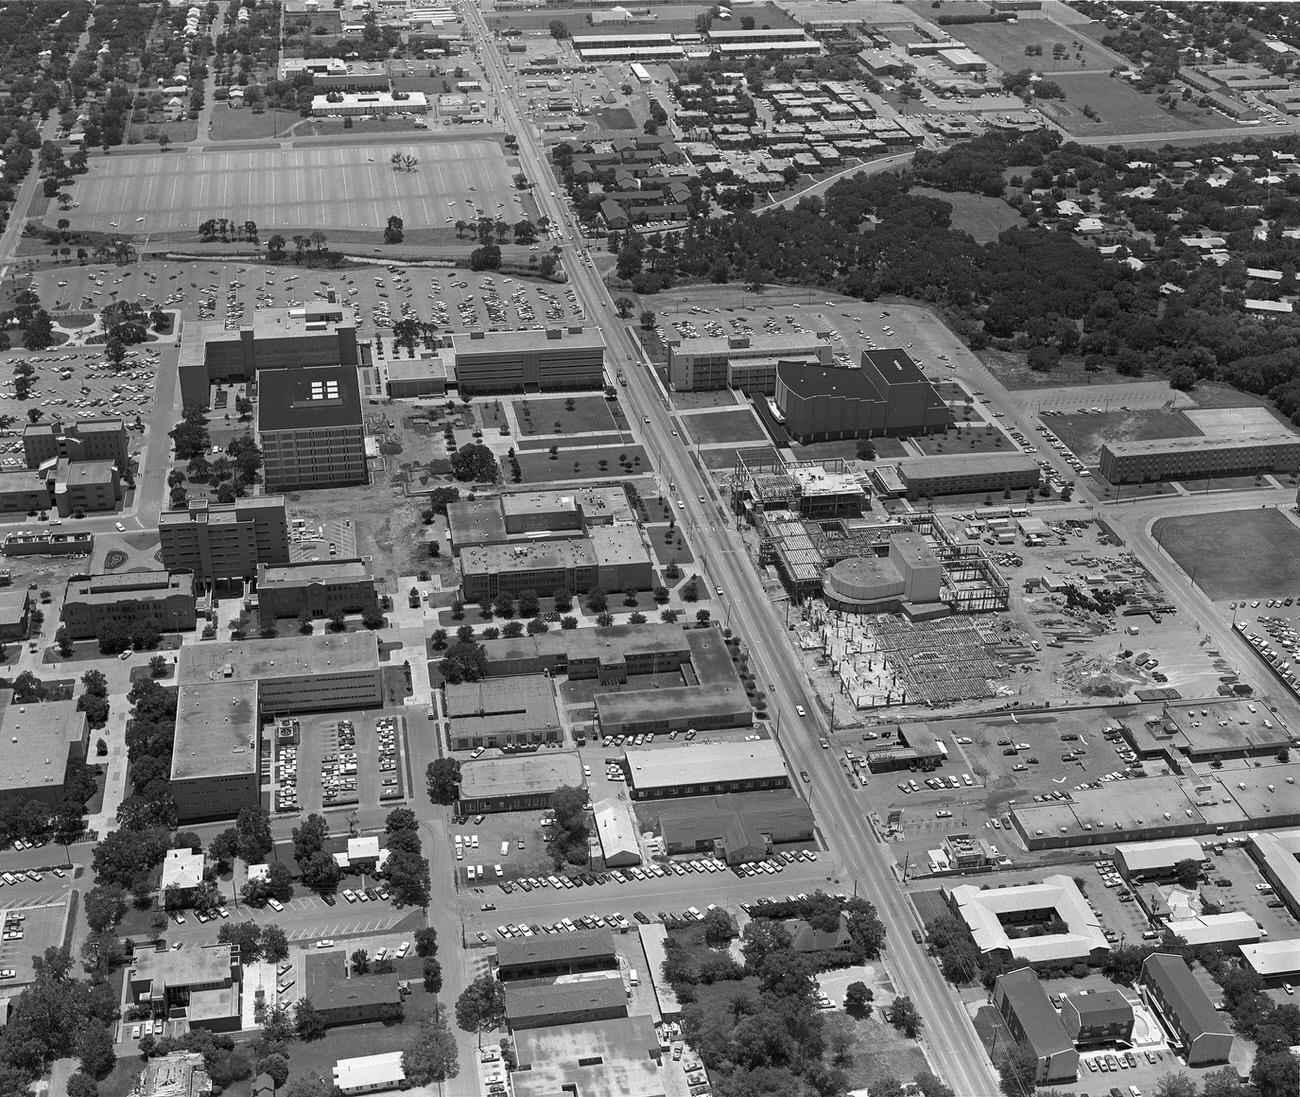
<point>120,528</point>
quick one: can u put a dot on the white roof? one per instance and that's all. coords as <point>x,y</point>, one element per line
<point>1140,856</point>
<point>370,1071</point>
<point>1273,958</point>
<point>258,872</point>
<point>1216,929</point>
<point>182,869</point>
<point>616,826</point>
<point>980,909</point>
<point>359,849</point>
<point>1276,851</point>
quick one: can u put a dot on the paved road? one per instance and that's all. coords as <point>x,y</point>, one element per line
<point>955,1048</point>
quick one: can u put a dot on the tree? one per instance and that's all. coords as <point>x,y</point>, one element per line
<point>558,29</point>
<point>83,1085</point>
<point>105,907</point>
<point>394,231</point>
<point>857,999</point>
<point>931,1085</point>
<point>1187,872</point>
<point>275,945</point>
<point>276,1067</point>
<point>648,319</point>
<point>624,307</point>
<point>246,936</point>
<point>426,941</point>
<point>1017,1070</point>
<point>95,1050</point>
<point>1175,1084</point>
<point>254,829</point>
<point>158,666</point>
<point>407,873</point>
<point>113,637</point>
<point>163,141</point>
<point>887,1086</point>
<point>432,975</point>
<point>360,962</point>
<point>481,1006</point>
<point>432,1056</point>
<point>309,1024</point>
<point>903,1015</point>
<point>443,779</point>
<point>719,927</point>
<point>474,462</point>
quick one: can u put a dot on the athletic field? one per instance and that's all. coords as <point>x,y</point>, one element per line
<point>351,187</point>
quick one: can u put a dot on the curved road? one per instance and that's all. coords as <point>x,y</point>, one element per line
<point>956,1051</point>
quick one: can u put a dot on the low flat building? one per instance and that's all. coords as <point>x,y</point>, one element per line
<point>1157,860</point>
<point>1277,854</point>
<point>370,1073</point>
<point>571,1002</point>
<point>501,713</point>
<point>618,1056</point>
<point>734,827</point>
<point>746,362</point>
<point>988,912</point>
<point>38,742</point>
<point>1233,927</point>
<point>1023,1004</point>
<point>1273,961</point>
<point>609,655</point>
<point>654,940</point>
<point>518,783</point>
<point>311,428</point>
<point>379,104</point>
<point>319,588</point>
<point>617,830</point>
<point>15,613</point>
<point>968,473</point>
<point>129,599</point>
<point>1200,457</point>
<point>341,999</point>
<point>543,360</point>
<point>199,986</point>
<point>222,542</point>
<point>548,956</point>
<point>695,769</point>
<point>1097,1017</point>
<point>1181,1004</point>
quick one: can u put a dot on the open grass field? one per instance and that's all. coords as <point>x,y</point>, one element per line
<point>581,463</point>
<point>1236,554</point>
<point>1084,434</point>
<point>971,438</point>
<point>724,426</point>
<point>552,415</point>
<point>983,217</point>
<point>1003,45</point>
<point>353,187</point>
<point>1120,109</point>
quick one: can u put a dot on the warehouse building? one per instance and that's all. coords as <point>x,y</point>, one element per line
<point>129,599</point>
<point>83,440</point>
<point>988,912</point>
<point>616,828</point>
<point>536,1005</point>
<point>516,783</point>
<point>1178,1000</point>
<point>38,743</point>
<point>887,395</point>
<point>967,473</point>
<point>537,360</point>
<point>226,689</point>
<point>621,1055</point>
<point>310,428</point>
<point>1203,731</point>
<point>1023,1004</point>
<point>1276,853</point>
<point>503,713</point>
<point>1157,860</point>
<point>1097,1017</point>
<point>545,956</point>
<point>745,362</point>
<point>1198,458</point>
<point>320,333</point>
<point>380,104</point>
<point>697,769</point>
<point>319,588</point>
<point>734,827</point>
<point>654,940</point>
<point>225,542</point>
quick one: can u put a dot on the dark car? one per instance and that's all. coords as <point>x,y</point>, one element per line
<point>328,898</point>
<point>641,917</point>
<point>372,895</point>
<point>916,936</point>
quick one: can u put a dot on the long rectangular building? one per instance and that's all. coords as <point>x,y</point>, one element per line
<point>317,587</point>
<point>221,542</point>
<point>1023,1004</point>
<point>746,362</point>
<point>128,599</point>
<point>691,769</point>
<point>958,473</point>
<point>537,360</point>
<point>1179,1000</point>
<point>1200,457</point>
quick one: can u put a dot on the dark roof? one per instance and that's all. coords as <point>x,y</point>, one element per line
<point>807,938</point>
<point>308,396</point>
<point>1100,1007</point>
<point>525,1000</point>
<point>554,948</point>
<point>813,380</point>
<point>745,816</point>
<point>1033,1009</point>
<point>327,985</point>
<point>1184,995</point>
<point>895,366</point>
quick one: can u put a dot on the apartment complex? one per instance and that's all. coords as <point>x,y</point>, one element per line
<point>888,394</point>
<point>745,362</point>
<point>1097,1017</point>
<point>311,428</point>
<point>83,440</point>
<point>1174,995</point>
<point>320,333</point>
<point>1199,457</point>
<point>540,360</point>
<point>545,957</point>
<point>221,542</point>
<point>1023,1004</point>
<point>37,745</point>
<point>341,999</point>
<point>227,689</point>
<point>319,588</point>
<point>129,599</point>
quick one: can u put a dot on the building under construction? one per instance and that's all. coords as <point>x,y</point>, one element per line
<point>761,483</point>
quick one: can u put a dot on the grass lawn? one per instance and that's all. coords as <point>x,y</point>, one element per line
<point>823,451</point>
<point>1003,45</point>
<point>1236,554</point>
<point>666,551</point>
<point>724,426</point>
<point>1084,434</point>
<point>983,217</point>
<point>709,398</point>
<point>1227,483</point>
<point>248,125</point>
<point>573,414</point>
<point>1120,108</point>
<point>614,118</point>
<point>539,468</point>
<point>878,1051</point>
<point>1009,367</point>
<point>979,439</point>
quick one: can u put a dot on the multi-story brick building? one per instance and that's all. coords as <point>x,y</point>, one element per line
<point>541,360</point>
<point>129,599</point>
<point>1198,457</point>
<point>84,440</point>
<point>220,542</point>
<point>319,588</point>
<point>310,428</point>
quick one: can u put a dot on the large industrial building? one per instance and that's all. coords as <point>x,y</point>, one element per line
<point>128,599</point>
<point>222,542</point>
<point>745,362</point>
<point>227,689</point>
<point>320,333</point>
<point>887,394</point>
<point>545,360</point>
<point>38,743</point>
<point>734,827</point>
<point>988,912</point>
<point>696,769</point>
<point>1178,1000</point>
<point>1023,1004</point>
<point>311,428</point>
<point>319,588</point>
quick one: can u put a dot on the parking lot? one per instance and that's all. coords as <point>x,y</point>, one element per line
<point>30,925</point>
<point>355,759</point>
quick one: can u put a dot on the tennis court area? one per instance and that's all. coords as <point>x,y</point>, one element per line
<point>341,187</point>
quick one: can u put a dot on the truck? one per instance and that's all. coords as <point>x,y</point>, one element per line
<point>622,377</point>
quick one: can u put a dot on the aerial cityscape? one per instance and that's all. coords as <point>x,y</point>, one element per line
<point>656,549</point>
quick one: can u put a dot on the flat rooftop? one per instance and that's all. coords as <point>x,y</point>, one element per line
<point>616,641</point>
<point>560,555</point>
<point>1134,448</point>
<point>136,585</point>
<point>1273,959</point>
<point>35,741</point>
<point>698,763</point>
<point>528,340</point>
<point>518,703</point>
<point>525,1000</point>
<point>690,702</point>
<point>355,569</point>
<point>241,510</point>
<point>308,398</point>
<point>517,775</point>
<point>614,1058</point>
<point>216,730</point>
<point>983,911</point>
<point>750,346</point>
<point>184,967</point>
<point>556,948</point>
<point>281,657</point>
<point>959,464</point>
